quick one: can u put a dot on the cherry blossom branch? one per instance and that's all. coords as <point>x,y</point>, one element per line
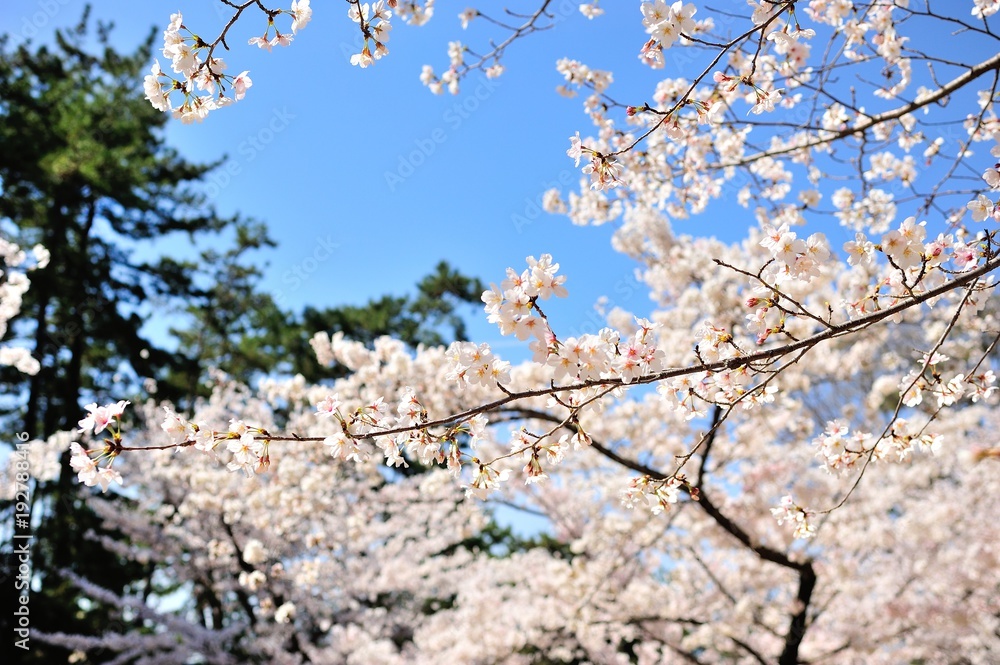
<point>684,99</point>
<point>963,147</point>
<point>894,417</point>
<point>867,122</point>
<point>807,574</point>
<point>517,32</point>
<point>747,360</point>
<point>197,74</point>
<point>459,69</point>
<point>798,623</point>
<point>240,8</point>
<point>775,290</point>
<point>966,27</point>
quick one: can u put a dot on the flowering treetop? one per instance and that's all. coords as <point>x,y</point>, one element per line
<point>788,368</point>
<point>795,289</point>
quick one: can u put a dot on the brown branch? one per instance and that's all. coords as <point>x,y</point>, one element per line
<point>833,332</point>
<point>863,126</point>
<point>798,623</point>
<point>750,650</point>
<point>527,28</point>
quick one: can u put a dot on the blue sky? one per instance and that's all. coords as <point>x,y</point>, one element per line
<point>309,149</point>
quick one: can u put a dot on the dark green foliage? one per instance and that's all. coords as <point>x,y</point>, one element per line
<point>429,318</point>
<point>501,541</point>
<point>85,172</point>
<point>246,334</point>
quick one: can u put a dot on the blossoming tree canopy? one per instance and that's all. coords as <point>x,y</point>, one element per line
<point>833,372</point>
<point>788,290</point>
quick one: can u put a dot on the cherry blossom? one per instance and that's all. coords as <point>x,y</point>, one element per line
<point>15,265</point>
<point>466,17</point>
<point>302,13</point>
<point>99,417</point>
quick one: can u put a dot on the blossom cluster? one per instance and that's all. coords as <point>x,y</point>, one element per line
<point>368,419</point>
<point>604,170</point>
<point>930,379</point>
<point>536,449</point>
<point>842,451</point>
<point>199,71</point>
<point>790,512</point>
<point>475,364</point>
<point>414,12</point>
<point>657,495</point>
<point>14,282</point>
<point>514,305</point>
<point>665,25</point>
<point>984,8</point>
<point>88,469</point>
<point>373,19</point>
<point>915,265</point>
<point>450,78</point>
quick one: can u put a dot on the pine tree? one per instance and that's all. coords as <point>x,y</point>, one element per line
<point>85,171</point>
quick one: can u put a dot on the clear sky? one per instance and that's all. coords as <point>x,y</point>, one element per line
<point>309,149</point>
